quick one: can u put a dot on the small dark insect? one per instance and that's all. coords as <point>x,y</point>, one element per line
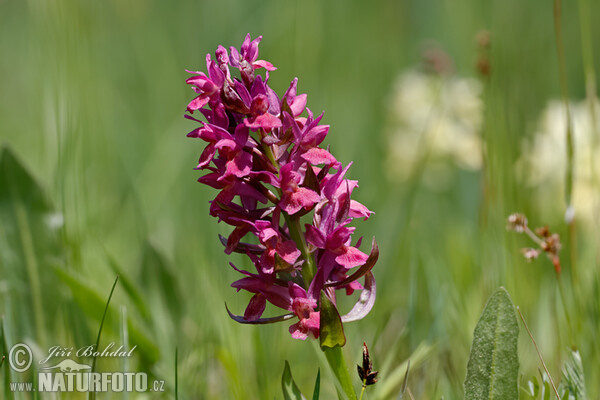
<point>366,373</point>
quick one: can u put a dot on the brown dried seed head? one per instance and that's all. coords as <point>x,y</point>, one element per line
<point>365,372</point>
<point>552,244</point>
<point>543,231</point>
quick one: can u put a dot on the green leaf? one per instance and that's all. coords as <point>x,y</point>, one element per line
<point>159,277</point>
<point>30,245</point>
<point>317,390</point>
<point>493,369</point>
<point>332,330</point>
<point>289,387</point>
<point>130,288</point>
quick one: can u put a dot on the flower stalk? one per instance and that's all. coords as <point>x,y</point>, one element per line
<point>337,363</point>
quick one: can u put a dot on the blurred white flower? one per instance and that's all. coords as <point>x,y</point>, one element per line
<point>55,220</point>
<point>438,118</point>
<point>544,160</point>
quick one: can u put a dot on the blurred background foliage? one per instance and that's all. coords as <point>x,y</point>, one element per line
<point>97,179</point>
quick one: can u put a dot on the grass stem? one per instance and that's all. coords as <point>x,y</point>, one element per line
<point>539,353</point>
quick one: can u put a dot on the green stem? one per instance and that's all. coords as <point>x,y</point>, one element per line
<point>362,391</point>
<point>562,70</point>
<point>562,299</point>
<point>309,269</point>
<point>335,358</point>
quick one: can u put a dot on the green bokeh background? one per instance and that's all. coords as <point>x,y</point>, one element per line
<point>92,104</point>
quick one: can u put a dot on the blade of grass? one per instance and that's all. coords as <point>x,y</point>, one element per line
<point>125,342</point>
<point>91,393</point>
<point>317,391</point>
<point>176,377</point>
<point>562,69</point>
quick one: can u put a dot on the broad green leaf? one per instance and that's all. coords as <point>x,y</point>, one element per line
<point>289,387</point>
<point>493,369</point>
<point>30,245</point>
<point>332,330</point>
<point>317,391</point>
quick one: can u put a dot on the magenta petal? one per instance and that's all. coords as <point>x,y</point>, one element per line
<point>240,166</point>
<point>255,308</point>
<point>315,136</point>
<point>245,190</point>
<point>229,144</point>
<point>221,54</point>
<point>288,206</point>
<point>288,251</point>
<point>243,93</point>
<point>288,176</point>
<point>339,237</point>
<point>260,103</point>
<point>206,157</point>
<point>317,156</point>
<point>297,291</point>
<point>357,210</point>
<point>197,103</point>
<point>306,326</point>
<point>297,333</point>
<point>306,197</point>
<point>315,237</point>
<point>234,238</point>
<point>290,121</point>
<point>216,75</point>
<point>264,64</point>
<point>298,105</point>
<point>313,322</point>
<point>202,82</point>
<point>276,295</point>
<point>266,234</point>
<point>274,107</point>
<point>295,201</point>
<point>265,121</point>
<point>235,57</point>
<point>251,52</point>
<point>259,321</point>
<point>266,177</point>
<point>352,257</point>
<point>211,180</point>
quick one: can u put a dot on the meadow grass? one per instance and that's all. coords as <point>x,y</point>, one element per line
<point>93,135</point>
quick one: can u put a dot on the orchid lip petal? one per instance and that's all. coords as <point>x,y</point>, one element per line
<point>259,321</point>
